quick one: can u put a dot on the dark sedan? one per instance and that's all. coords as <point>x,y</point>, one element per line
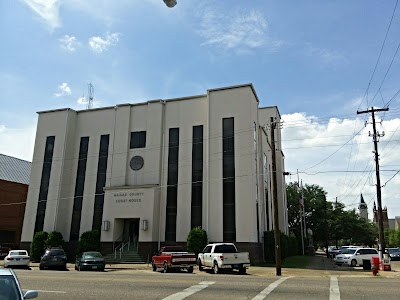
<point>90,261</point>
<point>394,253</point>
<point>54,258</point>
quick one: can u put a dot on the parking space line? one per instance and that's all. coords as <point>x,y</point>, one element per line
<point>264,293</point>
<point>190,291</point>
<point>334,293</point>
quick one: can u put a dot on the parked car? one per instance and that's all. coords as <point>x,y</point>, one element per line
<point>355,256</point>
<point>174,257</point>
<point>53,258</point>
<point>224,256</point>
<point>90,261</point>
<point>332,251</point>
<point>394,253</point>
<point>10,287</point>
<point>17,258</point>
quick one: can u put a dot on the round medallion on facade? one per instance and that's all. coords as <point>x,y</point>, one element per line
<point>136,163</point>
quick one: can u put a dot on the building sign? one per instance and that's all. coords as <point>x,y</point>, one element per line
<point>128,197</point>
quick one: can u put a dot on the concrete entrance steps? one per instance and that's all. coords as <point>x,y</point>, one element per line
<point>127,257</point>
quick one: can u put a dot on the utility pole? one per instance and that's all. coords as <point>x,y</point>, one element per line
<point>301,203</point>
<point>275,202</point>
<point>375,136</point>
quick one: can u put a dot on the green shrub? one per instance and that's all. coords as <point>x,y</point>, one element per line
<point>38,245</point>
<point>197,240</point>
<point>288,246</point>
<point>89,241</point>
<point>54,239</point>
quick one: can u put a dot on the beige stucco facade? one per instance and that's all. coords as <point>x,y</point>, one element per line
<point>141,194</point>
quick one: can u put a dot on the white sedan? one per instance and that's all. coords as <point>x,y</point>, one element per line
<point>17,258</point>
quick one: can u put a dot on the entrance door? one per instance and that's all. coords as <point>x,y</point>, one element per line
<point>131,230</point>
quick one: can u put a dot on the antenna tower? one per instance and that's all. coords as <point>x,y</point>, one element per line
<point>90,96</point>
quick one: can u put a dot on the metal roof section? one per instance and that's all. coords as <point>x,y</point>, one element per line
<point>14,169</point>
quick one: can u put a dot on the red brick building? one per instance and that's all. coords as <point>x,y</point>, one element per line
<point>14,181</point>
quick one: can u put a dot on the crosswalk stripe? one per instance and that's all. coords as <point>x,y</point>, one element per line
<point>334,293</point>
<point>264,293</point>
<point>190,290</point>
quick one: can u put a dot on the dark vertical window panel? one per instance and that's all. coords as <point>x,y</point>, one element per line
<point>228,182</point>
<point>197,177</point>
<point>100,182</point>
<point>44,183</point>
<point>138,139</point>
<point>79,187</point>
<point>267,207</point>
<point>172,185</point>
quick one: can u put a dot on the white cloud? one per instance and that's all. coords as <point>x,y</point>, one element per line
<point>328,58</point>
<point>100,44</point>
<point>242,31</point>
<point>344,167</point>
<point>64,90</point>
<point>48,10</point>
<point>18,142</point>
<point>68,43</point>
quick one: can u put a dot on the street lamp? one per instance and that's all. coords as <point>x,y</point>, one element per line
<point>170,3</point>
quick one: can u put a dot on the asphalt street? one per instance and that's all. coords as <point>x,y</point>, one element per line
<point>145,284</point>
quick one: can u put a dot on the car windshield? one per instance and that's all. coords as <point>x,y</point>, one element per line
<point>348,251</point>
<point>8,288</point>
<point>392,251</point>
<point>92,254</point>
<point>225,249</point>
<point>12,253</point>
<point>56,252</point>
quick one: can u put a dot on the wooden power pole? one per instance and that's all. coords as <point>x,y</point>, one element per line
<point>375,136</point>
<point>275,203</point>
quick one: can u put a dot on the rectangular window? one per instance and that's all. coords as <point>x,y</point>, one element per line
<point>100,182</point>
<point>79,187</point>
<point>172,185</point>
<point>138,139</point>
<point>228,182</point>
<point>197,176</point>
<point>44,183</point>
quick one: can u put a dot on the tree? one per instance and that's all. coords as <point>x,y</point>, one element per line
<point>54,239</point>
<point>38,245</point>
<point>197,240</point>
<point>328,220</point>
<point>89,241</point>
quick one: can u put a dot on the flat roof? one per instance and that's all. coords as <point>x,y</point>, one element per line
<point>157,100</point>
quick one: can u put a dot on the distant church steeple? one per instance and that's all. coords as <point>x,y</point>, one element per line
<point>363,208</point>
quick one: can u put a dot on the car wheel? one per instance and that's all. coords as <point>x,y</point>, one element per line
<point>216,268</point>
<point>76,268</point>
<point>190,270</point>
<point>353,263</point>
<point>154,266</point>
<point>242,271</point>
<point>200,265</point>
<point>166,267</point>
<point>41,268</point>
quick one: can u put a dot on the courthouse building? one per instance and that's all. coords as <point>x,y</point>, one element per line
<point>152,171</point>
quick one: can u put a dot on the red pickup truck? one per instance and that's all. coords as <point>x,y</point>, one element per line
<point>174,257</point>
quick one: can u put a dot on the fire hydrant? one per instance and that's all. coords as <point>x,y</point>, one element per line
<point>375,271</point>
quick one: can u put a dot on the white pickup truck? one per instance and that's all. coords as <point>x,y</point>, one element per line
<point>223,256</point>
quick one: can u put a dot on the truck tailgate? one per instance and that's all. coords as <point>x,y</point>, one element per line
<point>236,258</point>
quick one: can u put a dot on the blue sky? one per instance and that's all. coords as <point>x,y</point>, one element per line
<point>313,59</point>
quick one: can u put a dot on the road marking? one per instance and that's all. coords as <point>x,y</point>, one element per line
<point>334,289</point>
<point>190,291</point>
<point>264,293</point>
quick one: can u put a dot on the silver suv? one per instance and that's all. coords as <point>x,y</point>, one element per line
<point>354,257</point>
